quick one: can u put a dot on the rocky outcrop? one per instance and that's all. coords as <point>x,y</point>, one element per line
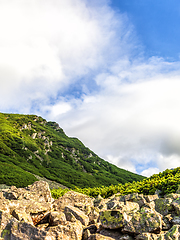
<point>32,214</point>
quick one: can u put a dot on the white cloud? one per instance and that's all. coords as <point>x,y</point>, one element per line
<point>124,163</point>
<point>171,161</point>
<point>131,122</point>
<point>60,108</point>
<point>47,45</point>
<point>149,172</point>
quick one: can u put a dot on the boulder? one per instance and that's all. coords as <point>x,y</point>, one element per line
<point>74,199</point>
<point>145,220</point>
<point>39,191</point>
<point>128,206</point>
<point>172,195</point>
<point>167,222</point>
<point>173,233</point>
<point>150,198</point>
<point>56,218</point>
<point>176,205</point>
<point>67,231</point>
<point>113,219</point>
<point>93,214</point>
<point>79,215</point>
<point>24,231</point>
<point>21,215</point>
<point>147,236</point>
<point>99,237</point>
<point>163,205</point>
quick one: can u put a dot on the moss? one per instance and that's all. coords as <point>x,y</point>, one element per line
<point>5,232</point>
<point>145,221</point>
<point>114,218</point>
<point>172,231</point>
<point>163,205</point>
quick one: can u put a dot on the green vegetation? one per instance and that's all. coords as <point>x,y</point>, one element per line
<point>166,182</point>
<point>31,145</point>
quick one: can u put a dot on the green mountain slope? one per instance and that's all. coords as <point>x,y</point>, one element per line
<point>164,183</point>
<point>31,145</point>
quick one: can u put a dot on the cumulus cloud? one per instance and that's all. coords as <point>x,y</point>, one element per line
<point>131,122</point>
<point>150,171</point>
<point>47,45</point>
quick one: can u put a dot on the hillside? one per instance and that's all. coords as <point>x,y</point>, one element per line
<point>164,183</point>
<point>29,146</point>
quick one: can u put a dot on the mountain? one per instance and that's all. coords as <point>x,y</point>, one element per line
<point>31,147</point>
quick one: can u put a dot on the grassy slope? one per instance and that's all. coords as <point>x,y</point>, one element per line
<point>166,182</point>
<point>50,154</point>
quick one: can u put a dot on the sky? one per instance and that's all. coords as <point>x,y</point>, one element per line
<point>107,71</point>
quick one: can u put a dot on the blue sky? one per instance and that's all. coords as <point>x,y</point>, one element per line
<point>156,23</point>
<point>107,71</point>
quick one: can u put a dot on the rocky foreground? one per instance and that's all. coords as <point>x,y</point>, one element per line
<point>32,214</point>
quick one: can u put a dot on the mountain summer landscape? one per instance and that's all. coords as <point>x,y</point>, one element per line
<point>53,187</point>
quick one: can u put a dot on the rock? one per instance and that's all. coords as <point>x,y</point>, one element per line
<point>86,234</point>
<point>150,205</point>
<point>56,218</point>
<point>176,220</point>
<point>114,204</point>
<point>93,214</point>
<point>31,213</point>
<point>24,231</point>
<point>173,233</point>
<point>176,205</point>
<point>34,207</point>
<point>126,237</point>
<point>70,217</point>
<point>1,196</point>
<point>4,205</point>
<point>41,191</point>
<point>34,135</point>
<point>92,228</point>
<point>74,199</point>
<point>172,195</point>
<point>79,215</point>
<point>113,219</point>
<point>145,220</point>
<point>163,206</point>
<point>134,197</point>
<point>68,231</point>
<point>167,222</point>
<point>147,236</point>
<point>114,234</point>
<point>150,198</point>
<point>99,237</point>
<point>98,201</point>
<point>5,220</point>
<point>21,215</point>
<point>128,206</point>
<point>158,192</point>
<point>137,198</point>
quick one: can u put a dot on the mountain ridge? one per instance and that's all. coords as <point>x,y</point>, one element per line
<point>31,145</point>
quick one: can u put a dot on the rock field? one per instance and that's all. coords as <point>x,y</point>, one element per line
<point>32,214</point>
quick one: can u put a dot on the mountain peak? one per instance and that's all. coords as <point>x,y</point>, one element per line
<point>29,145</point>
